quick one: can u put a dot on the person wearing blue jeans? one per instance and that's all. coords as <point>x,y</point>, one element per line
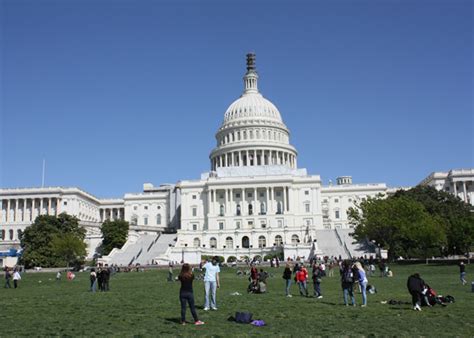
<point>211,283</point>
<point>362,282</point>
<point>347,282</point>
<point>287,277</point>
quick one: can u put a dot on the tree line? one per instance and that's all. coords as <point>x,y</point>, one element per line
<point>417,223</point>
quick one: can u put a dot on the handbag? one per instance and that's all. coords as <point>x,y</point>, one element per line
<point>243,317</point>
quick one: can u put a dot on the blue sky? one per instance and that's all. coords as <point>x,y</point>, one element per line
<point>117,93</point>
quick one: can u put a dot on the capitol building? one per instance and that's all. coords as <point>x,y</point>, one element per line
<point>254,201</point>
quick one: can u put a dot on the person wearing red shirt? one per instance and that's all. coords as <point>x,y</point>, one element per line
<point>301,279</point>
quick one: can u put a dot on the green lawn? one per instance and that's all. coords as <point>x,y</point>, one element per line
<point>145,304</point>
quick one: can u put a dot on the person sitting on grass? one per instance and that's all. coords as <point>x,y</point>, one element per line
<point>186,294</point>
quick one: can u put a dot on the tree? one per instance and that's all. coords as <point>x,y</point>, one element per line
<point>69,248</point>
<point>114,235</point>
<point>456,215</point>
<point>37,239</point>
<point>399,224</point>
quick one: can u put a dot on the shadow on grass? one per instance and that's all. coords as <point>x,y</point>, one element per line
<point>173,320</point>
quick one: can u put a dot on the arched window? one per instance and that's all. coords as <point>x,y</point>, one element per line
<point>134,220</point>
<point>245,242</point>
<point>295,239</point>
<point>3,235</point>
<point>213,242</point>
<point>229,243</point>
<point>238,210</point>
<point>158,219</point>
<point>279,208</point>
<point>11,234</point>
<point>278,240</point>
<point>221,210</point>
<point>262,242</point>
<point>250,209</point>
<point>145,220</point>
<point>263,210</point>
<point>196,242</point>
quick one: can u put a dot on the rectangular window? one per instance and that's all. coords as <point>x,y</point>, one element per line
<point>280,223</point>
<point>336,200</point>
<point>250,223</point>
<point>325,201</point>
<point>145,220</point>
<point>336,214</point>
<point>221,225</point>
<point>65,202</point>
<point>194,212</point>
<point>306,192</point>
<point>278,193</point>
<point>262,194</point>
<point>221,196</point>
<point>146,207</point>
<point>194,197</point>
<point>195,227</point>
<point>237,195</point>
<point>306,207</point>
<point>249,195</point>
<point>237,225</point>
<point>263,224</point>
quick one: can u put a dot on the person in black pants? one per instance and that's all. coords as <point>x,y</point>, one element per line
<point>186,294</point>
<point>415,286</point>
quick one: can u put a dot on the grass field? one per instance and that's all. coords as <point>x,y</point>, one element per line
<point>145,304</point>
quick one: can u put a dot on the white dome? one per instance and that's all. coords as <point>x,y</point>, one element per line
<point>252,105</point>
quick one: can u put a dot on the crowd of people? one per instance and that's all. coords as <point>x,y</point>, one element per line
<point>100,278</point>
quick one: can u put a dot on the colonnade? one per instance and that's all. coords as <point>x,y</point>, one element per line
<point>254,157</point>
<point>276,201</point>
<point>465,193</point>
<point>27,209</point>
<point>111,214</point>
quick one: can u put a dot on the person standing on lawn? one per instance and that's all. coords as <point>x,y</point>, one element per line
<point>462,273</point>
<point>301,279</point>
<point>8,276</point>
<point>287,273</point>
<point>186,294</point>
<point>211,283</point>
<point>415,286</point>
<point>317,279</point>
<point>362,282</point>
<point>347,282</point>
<point>16,278</point>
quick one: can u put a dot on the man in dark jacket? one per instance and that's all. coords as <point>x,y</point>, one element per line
<point>415,286</point>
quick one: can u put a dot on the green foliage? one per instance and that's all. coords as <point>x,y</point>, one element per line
<point>231,259</point>
<point>37,240</point>
<point>456,216</point>
<point>420,222</point>
<point>399,224</point>
<point>71,249</point>
<point>114,235</point>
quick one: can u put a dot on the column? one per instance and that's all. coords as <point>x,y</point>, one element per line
<point>284,200</point>
<point>58,206</point>
<point>8,210</point>
<point>1,210</point>
<point>464,191</point>
<point>208,202</point>
<point>290,198</point>
<point>225,202</point>
<point>256,208</point>
<point>41,206</point>
<point>247,155</point>
<point>455,189</point>
<point>16,219</point>
<point>32,209</point>
<point>225,160</point>
<point>23,215</point>
<point>49,206</point>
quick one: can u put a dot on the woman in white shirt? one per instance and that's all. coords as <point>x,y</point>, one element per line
<point>16,278</point>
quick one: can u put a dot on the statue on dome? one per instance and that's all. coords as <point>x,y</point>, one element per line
<point>251,61</point>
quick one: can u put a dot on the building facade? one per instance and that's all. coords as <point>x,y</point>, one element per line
<point>255,200</point>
